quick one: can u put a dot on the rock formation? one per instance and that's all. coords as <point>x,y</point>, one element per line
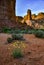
<point>19,18</point>
<point>7,12</point>
<point>33,16</point>
<point>40,15</point>
<point>8,17</point>
<point>33,20</point>
<point>28,16</point>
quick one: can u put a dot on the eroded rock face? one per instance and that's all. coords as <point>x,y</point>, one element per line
<point>28,16</point>
<point>7,12</point>
<point>34,16</point>
<point>40,15</point>
<point>19,18</point>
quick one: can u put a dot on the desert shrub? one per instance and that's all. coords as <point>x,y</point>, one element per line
<point>39,34</point>
<point>9,40</point>
<point>17,31</point>
<point>17,36</point>
<point>17,53</point>
<point>5,29</point>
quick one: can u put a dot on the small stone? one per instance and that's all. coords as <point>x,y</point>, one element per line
<point>15,64</point>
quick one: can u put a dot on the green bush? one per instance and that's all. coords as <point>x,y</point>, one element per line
<point>9,40</point>
<point>17,53</point>
<point>17,36</point>
<point>39,34</point>
<point>6,29</point>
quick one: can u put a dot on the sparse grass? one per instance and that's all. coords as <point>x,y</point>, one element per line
<point>17,53</point>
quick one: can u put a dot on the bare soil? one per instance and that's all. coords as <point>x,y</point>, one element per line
<point>33,52</point>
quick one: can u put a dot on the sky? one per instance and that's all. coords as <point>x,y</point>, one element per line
<point>22,6</point>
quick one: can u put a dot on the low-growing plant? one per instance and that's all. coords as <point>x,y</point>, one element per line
<point>9,40</point>
<point>17,53</point>
<point>17,36</point>
<point>39,34</point>
<point>5,29</point>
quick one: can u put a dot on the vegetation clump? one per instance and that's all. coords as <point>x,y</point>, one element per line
<point>17,36</point>
<point>17,53</point>
<point>39,34</point>
<point>9,40</point>
<point>14,37</point>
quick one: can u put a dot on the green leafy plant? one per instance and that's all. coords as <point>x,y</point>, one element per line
<point>39,34</point>
<point>9,40</point>
<point>17,53</point>
<point>6,29</point>
<point>17,36</point>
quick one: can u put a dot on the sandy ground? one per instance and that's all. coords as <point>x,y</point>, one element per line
<point>34,51</point>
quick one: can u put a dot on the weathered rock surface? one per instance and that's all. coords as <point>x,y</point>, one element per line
<point>8,17</point>
<point>40,15</point>
<point>28,16</point>
<point>19,18</point>
<point>33,16</point>
<point>33,20</point>
<point>7,12</point>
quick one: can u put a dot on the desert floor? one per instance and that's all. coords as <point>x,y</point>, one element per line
<point>33,52</point>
